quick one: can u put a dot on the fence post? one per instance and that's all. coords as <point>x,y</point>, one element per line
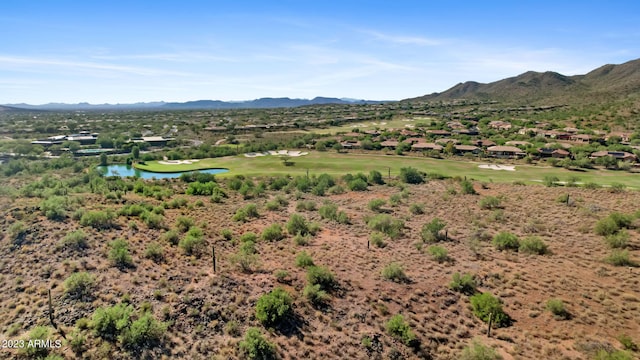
<point>213,256</point>
<point>490,323</point>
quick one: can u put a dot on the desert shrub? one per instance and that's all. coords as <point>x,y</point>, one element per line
<point>342,218</point>
<point>627,342</point>
<point>226,234</point>
<point>281,275</point>
<point>119,254</point>
<point>172,237</point>
<point>550,180</point>
<point>563,199</point>
<point>320,275</point>
<point>357,185</point>
<point>336,190</point>
<point>376,204</point>
<point>98,219</point>
<point>478,351</point>
<point>467,187</point>
<point>377,239</point>
<point>176,203</point>
<point>152,220</point>
<point>191,244</point>
<point>108,322</point>
<point>464,283</point>
<point>314,228</point>
<point>375,177</point>
<point>255,347</point>
<point>399,328</point>
<point>485,304</point>
<point>54,208</point>
<point>410,175</point>
<point>79,285</point>
<point>303,260</point>
<point>17,231</point>
<point>245,262</point>
<point>416,209</point>
<point>272,233</point>
<point>77,342</point>
<point>533,245</point>
<point>297,224</point>
<point>278,183</point>
<point>240,215</point>
<point>315,294</point>
<point>248,236</point>
<point>489,203</point>
<point>617,188</point>
<point>394,272</point>
<point>184,223</point>
<point>506,241</point>
<point>622,220</point>
<point>328,211</point>
<point>301,240</point>
<point>199,188</point>
<point>431,231</point>
<point>386,224</point>
<point>274,307</point>
<point>592,185</point>
<point>248,248</point>
<point>273,205</point>
<point>606,227</point>
<point>620,258</point>
<point>438,253</point>
<point>604,354</point>
<point>557,308</point>
<point>305,205</point>
<point>145,332</point>
<point>154,252</point>
<point>252,210</point>
<point>76,240</point>
<point>36,352</point>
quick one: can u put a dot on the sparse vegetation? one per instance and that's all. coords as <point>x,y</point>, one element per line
<point>478,351</point>
<point>506,241</point>
<point>438,253</point>
<point>398,327</point>
<point>79,285</point>
<point>274,307</point>
<point>490,203</point>
<point>386,224</point>
<point>558,308</point>
<point>464,283</point>
<point>394,272</point>
<point>533,245</point>
<point>485,305</point>
<point>430,232</point>
<point>255,347</point>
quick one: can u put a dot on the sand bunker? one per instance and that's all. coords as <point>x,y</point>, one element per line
<point>498,167</point>
<point>292,153</point>
<point>177,162</point>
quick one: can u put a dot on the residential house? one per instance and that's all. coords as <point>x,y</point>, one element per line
<point>390,144</point>
<point>619,155</point>
<point>421,146</point>
<point>500,125</point>
<point>520,144</point>
<point>439,132</point>
<point>465,149</point>
<point>553,153</point>
<point>351,144</point>
<point>484,143</point>
<point>581,138</point>
<point>505,152</point>
<point>445,141</point>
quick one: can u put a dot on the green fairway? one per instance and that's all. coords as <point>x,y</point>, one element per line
<point>157,166</point>
<point>339,164</point>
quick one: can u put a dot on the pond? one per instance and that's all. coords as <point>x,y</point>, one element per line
<point>126,171</point>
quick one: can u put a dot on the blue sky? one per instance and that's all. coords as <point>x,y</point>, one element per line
<point>138,51</point>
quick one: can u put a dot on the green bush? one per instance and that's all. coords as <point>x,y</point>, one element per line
<point>305,205</point>
<point>431,231</point>
<point>54,208</point>
<point>438,253</point>
<point>627,342</point>
<point>297,224</point>
<point>557,308</point>
<point>301,240</point>
<point>98,219</point>
<point>274,307</point>
<point>152,220</point>
<point>154,251</point>
<point>146,332</point>
<point>191,244</point>
<point>108,322</point>
<point>357,185</point>
<point>416,209</point>
<point>272,233</point>
<point>315,294</point>
<point>249,236</point>
<point>394,272</point>
<point>303,260</point>
<point>467,187</point>
<point>226,234</point>
<point>386,224</point>
<point>184,223</point>
<point>376,204</point>
<point>478,351</point>
<point>255,347</point>
<point>320,275</point>
<point>620,258</point>
<point>79,285</point>
<point>485,304</point>
<point>533,245</point>
<point>398,327</point>
<point>119,254</point>
<point>465,283</point>
<point>76,240</point>
<point>36,352</point>
<point>622,220</point>
<point>246,262</point>
<point>490,203</point>
<point>410,175</point>
<point>328,211</point>
<point>506,241</point>
<point>248,248</point>
<point>606,227</point>
<point>604,354</point>
<point>550,180</point>
<point>377,239</point>
<point>375,177</point>
<point>171,236</point>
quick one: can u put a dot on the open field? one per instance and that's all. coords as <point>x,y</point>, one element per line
<point>399,123</point>
<point>342,163</point>
<point>161,166</point>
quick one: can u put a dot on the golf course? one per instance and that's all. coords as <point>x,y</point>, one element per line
<point>342,163</point>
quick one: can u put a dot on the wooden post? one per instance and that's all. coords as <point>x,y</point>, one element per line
<point>213,256</point>
<point>307,173</point>
<point>567,199</point>
<point>446,235</point>
<point>389,172</point>
<point>367,244</point>
<point>490,322</point>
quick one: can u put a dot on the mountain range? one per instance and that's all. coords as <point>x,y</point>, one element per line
<point>263,103</point>
<point>606,83</point>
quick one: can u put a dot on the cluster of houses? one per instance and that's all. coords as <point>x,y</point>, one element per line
<point>87,138</point>
<point>511,149</point>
